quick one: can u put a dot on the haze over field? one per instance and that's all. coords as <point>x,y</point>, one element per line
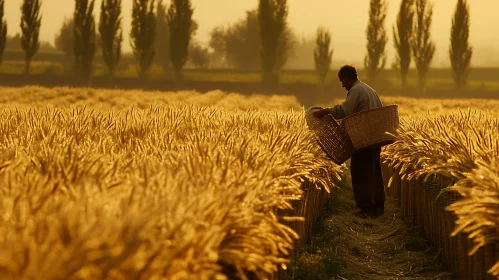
<point>346,19</point>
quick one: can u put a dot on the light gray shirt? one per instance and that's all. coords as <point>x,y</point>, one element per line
<point>360,97</point>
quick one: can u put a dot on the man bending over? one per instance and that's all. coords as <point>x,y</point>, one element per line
<point>365,165</point>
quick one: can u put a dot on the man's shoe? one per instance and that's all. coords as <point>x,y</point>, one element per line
<point>379,209</point>
<point>373,212</point>
<point>365,213</point>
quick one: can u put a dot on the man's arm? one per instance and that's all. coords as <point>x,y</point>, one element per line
<point>348,106</point>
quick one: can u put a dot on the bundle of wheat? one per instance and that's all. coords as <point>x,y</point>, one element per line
<point>454,157</point>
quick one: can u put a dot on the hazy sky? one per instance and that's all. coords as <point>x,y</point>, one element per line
<point>347,20</point>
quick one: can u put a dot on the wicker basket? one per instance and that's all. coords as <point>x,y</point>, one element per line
<point>331,135</point>
<point>368,128</point>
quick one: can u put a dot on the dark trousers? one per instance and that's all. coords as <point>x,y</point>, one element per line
<point>367,179</point>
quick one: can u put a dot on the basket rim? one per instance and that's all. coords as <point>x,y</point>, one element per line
<point>371,110</point>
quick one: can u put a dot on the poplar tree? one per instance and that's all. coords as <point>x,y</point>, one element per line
<point>3,30</point>
<point>460,51</point>
<point>143,34</point>
<point>180,23</point>
<point>272,16</point>
<point>111,34</point>
<point>375,59</point>
<point>84,37</point>
<point>162,43</point>
<point>30,30</point>
<point>323,53</point>
<point>402,36</point>
<point>422,47</point>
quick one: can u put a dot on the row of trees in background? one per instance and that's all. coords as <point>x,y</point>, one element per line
<point>78,36</point>
<point>262,40</point>
<point>162,34</point>
<point>412,40</point>
<point>237,45</point>
<point>79,40</point>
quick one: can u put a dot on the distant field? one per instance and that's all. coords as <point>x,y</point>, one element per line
<point>53,62</point>
<point>40,97</point>
<point>56,56</point>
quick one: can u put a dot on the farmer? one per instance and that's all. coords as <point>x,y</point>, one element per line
<point>365,166</point>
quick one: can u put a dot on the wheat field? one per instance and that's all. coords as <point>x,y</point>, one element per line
<point>111,184</point>
<point>113,99</point>
<point>135,187</point>
<point>457,152</point>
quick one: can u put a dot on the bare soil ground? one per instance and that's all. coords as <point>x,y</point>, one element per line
<point>348,247</point>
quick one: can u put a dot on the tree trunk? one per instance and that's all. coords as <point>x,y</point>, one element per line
<point>179,75</point>
<point>27,66</point>
<point>404,80</point>
<point>270,79</point>
<point>111,80</point>
<point>422,85</point>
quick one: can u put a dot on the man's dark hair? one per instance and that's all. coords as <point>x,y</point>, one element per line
<point>348,71</point>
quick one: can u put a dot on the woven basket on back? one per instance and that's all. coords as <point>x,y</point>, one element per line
<point>368,128</point>
<point>332,136</point>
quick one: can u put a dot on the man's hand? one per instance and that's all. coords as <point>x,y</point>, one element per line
<point>321,113</point>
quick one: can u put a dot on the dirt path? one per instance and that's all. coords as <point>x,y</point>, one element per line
<point>348,247</point>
